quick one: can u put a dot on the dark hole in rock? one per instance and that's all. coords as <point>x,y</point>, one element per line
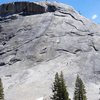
<point>0,28</point>
<point>2,63</point>
<point>3,43</point>
<point>39,60</point>
<point>43,51</point>
<point>0,19</point>
<point>97,72</point>
<point>77,50</point>
<point>8,75</point>
<point>1,53</point>
<point>51,8</point>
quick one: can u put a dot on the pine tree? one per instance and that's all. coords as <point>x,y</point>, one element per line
<point>1,90</point>
<point>64,93</point>
<point>56,87</point>
<point>80,92</point>
<point>59,88</point>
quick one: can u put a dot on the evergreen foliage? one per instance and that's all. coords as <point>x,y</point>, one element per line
<point>1,90</point>
<point>59,88</point>
<point>80,92</point>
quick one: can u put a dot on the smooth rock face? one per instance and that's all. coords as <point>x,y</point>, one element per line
<point>33,48</point>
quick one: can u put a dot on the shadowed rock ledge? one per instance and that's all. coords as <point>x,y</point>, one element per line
<point>24,8</point>
<point>18,7</point>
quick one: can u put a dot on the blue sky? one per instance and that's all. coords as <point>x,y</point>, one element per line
<point>88,8</point>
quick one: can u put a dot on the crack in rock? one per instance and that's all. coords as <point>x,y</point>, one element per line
<point>76,27</point>
<point>93,46</point>
<point>2,53</point>
<point>64,50</point>
<point>78,50</point>
<point>91,34</point>
<point>0,28</point>
<point>75,33</point>
<point>72,16</point>
<point>25,28</point>
<point>14,60</point>
<point>8,18</point>
<point>59,15</point>
<point>72,52</point>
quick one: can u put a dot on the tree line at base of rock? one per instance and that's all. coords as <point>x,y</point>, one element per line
<point>60,92</point>
<point>59,89</point>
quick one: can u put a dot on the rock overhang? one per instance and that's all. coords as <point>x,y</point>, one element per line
<point>25,8</point>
